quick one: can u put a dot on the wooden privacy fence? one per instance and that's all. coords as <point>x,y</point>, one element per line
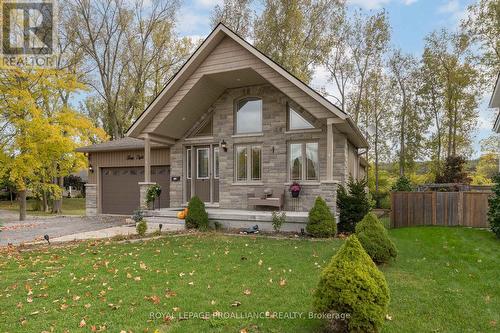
<point>439,208</point>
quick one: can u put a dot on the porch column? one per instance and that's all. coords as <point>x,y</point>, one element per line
<point>329,149</point>
<point>147,159</point>
<point>144,186</point>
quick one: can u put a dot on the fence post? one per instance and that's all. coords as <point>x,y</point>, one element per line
<point>392,209</point>
<point>434,208</point>
<point>460,209</point>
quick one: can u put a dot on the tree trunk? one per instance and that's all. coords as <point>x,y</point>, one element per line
<point>22,205</point>
<point>45,203</point>
<point>57,206</point>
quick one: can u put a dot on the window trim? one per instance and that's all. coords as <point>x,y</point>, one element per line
<point>303,150</point>
<point>249,162</point>
<point>216,174</point>
<point>189,163</point>
<point>235,113</point>
<point>197,163</point>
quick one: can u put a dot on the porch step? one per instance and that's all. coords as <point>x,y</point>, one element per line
<point>168,223</point>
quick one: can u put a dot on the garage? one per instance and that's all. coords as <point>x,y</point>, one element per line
<point>120,188</point>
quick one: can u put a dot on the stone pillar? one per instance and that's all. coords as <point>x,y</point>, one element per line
<point>143,190</point>
<point>328,191</point>
<point>91,199</point>
<point>329,150</point>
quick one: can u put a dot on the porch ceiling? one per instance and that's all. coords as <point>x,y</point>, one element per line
<point>201,96</point>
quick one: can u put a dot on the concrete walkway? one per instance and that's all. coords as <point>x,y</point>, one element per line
<point>97,234</point>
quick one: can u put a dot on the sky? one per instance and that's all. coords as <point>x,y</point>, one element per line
<point>411,21</point>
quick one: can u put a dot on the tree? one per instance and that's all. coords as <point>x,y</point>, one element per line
<point>353,204</point>
<point>487,166</point>
<point>130,49</point>
<point>453,171</point>
<point>460,88</point>
<point>494,207</point>
<point>297,34</point>
<point>482,26</point>
<point>235,14</point>
<point>41,131</point>
<point>320,222</point>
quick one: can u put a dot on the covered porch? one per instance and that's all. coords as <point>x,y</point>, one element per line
<point>231,218</point>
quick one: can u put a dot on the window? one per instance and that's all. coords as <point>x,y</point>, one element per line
<point>188,163</point>
<point>248,163</point>
<point>296,121</point>
<point>303,161</point>
<point>202,165</point>
<point>249,116</point>
<point>216,162</point>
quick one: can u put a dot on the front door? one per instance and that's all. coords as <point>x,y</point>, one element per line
<point>203,174</point>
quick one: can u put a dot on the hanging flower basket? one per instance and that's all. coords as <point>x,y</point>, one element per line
<point>295,189</point>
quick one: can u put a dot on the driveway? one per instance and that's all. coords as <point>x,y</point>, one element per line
<point>35,227</point>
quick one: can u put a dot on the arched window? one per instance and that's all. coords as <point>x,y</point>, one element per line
<point>249,116</point>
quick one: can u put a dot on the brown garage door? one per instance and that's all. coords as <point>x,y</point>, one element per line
<point>120,188</point>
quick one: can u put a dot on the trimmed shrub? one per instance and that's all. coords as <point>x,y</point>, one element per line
<point>277,220</point>
<point>353,204</point>
<point>352,284</point>
<point>321,223</point>
<point>197,216</point>
<point>494,204</point>
<point>141,228</point>
<point>375,240</point>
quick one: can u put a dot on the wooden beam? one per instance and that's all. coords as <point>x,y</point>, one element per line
<point>147,159</point>
<point>159,138</point>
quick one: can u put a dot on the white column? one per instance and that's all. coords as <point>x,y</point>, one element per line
<point>329,149</point>
<point>147,159</point>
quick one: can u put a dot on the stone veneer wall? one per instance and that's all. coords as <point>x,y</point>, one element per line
<point>274,144</point>
<point>91,199</point>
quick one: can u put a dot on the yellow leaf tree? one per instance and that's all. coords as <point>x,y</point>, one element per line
<point>39,131</point>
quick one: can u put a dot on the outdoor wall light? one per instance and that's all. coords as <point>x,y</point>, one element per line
<point>223,144</point>
<point>91,169</point>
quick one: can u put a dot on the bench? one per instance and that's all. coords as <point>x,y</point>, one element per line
<point>270,197</point>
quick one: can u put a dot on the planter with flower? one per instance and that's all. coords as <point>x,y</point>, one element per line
<point>295,189</point>
<point>154,192</point>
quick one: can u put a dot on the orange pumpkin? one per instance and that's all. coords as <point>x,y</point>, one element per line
<point>181,215</point>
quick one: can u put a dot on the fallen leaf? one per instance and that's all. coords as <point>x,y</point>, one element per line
<point>64,306</point>
<point>137,278</point>
<point>143,265</point>
<point>82,323</point>
<point>29,300</point>
<point>247,292</point>
<point>236,303</point>
<point>243,330</point>
<point>388,317</point>
<point>282,282</point>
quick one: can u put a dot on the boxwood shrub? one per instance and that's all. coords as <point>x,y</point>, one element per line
<point>321,223</point>
<point>375,239</point>
<point>197,216</point>
<point>351,284</point>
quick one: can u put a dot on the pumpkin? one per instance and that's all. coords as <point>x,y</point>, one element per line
<point>181,215</point>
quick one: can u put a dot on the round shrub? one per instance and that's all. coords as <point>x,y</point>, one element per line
<point>352,284</point>
<point>197,216</point>
<point>321,223</point>
<point>375,240</point>
<point>141,228</point>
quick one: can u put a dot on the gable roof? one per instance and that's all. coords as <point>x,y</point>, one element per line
<point>126,143</point>
<point>216,36</point>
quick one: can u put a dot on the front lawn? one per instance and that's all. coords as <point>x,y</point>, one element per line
<point>445,279</point>
<point>71,206</point>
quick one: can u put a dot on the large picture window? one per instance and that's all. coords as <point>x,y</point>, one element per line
<point>202,163</point>
<point>303,161</point>
<point>248,163</point>
<point>249,116</point>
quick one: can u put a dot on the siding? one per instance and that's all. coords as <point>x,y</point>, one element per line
<point>160,156</point>
<point>228,56</point>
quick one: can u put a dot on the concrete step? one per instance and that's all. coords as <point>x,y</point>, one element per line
<point>168,223</point>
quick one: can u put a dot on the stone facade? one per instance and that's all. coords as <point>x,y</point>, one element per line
<point>143,191</point>
<point>91,199</point>
<point>274,141</point>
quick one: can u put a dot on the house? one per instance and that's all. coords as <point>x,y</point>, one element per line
<point>495,103</point>
<point>228,125</point>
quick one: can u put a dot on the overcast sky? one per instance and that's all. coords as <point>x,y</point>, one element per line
<point>411,21</point>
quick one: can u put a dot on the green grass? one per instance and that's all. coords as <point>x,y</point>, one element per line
<point>445,280</point>
<point>72,206</point>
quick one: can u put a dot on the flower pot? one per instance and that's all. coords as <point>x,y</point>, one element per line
<point>295,194</point>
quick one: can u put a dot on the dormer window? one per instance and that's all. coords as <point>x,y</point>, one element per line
<point>296,121</point>
<point>249,116</point>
